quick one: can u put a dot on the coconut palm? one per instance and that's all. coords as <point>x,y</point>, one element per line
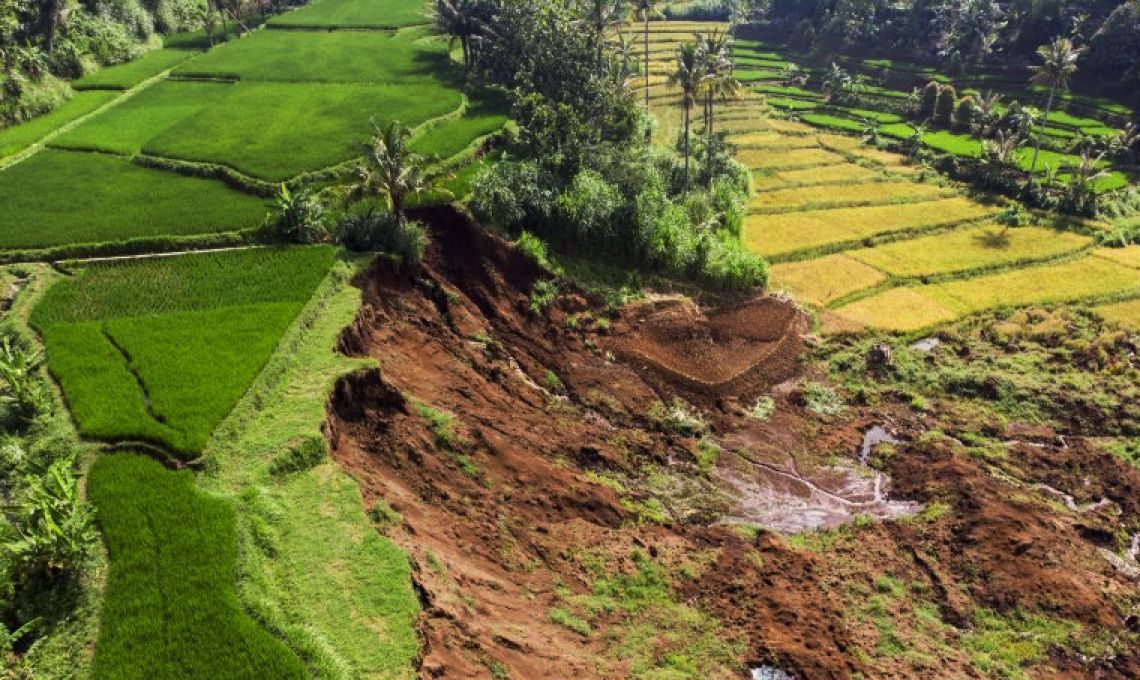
<point>718,80</point>
<point>836,81</point>
<point>987,106</point>
<point>391,169</point>
<point>1058,64</point>
<point>456,18</point>
<point>688,75</point>
<point>1080,190</point>
<point>644,9</point>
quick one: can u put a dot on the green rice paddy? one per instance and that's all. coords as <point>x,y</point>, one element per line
<point>160,350</point>
<point>19,137</point>
<point>171,608</point>
<point>354,14</point>
<point>64,197</point>
<point>126,76</point>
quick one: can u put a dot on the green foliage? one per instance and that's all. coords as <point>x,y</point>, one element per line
<point>171,605</point>
<point>762,409</point>
<point>570,622</point>
<point>21,391</point>
<point>452,137</point>
<point>161,350</point>
<point>373,229</point>
<point>442,425</point>
<point>944,110</point>
<point>111,199</point>
<point>542,295</point>
<point>679,417</point>
<point>822,399</point>
<point>1002,646</point>
<point>298,215</point>
<point>306,455</point>
<point>928,104</point>
<point>552,382</point>
<point>51,531</point>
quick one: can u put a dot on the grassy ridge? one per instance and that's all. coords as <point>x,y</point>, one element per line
<point>61,197</point>
<point>161,350</point>
<point>171,608</point>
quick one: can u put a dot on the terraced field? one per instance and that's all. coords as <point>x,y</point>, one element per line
<point>853,232</point>
<point>283,102</point>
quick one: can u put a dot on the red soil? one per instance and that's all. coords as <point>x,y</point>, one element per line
<point>494,546</point>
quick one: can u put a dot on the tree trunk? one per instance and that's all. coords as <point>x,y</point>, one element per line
<point>51,24</point>
<point>1037,144</point>
<point>646,64</point>
<point>687,108</point>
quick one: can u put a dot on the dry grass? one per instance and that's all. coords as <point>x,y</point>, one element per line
<point>897,309</point>
<point>840,142</point>
<point>878,155</point>
<point>1129,257</point>
<point>1125,314</point>
<point>790,232</point>
<point>821,281</point>
<point>964,249</point>
<point>873,193</point>
<point>795,158</point>
<point>791,127</point>
<point>772,141</point>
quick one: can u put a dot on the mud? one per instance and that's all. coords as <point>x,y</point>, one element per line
<point>553,453</point>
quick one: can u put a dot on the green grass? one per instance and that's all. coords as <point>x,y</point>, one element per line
<point>126,76</point>
<point>788,91</point>
<point>953,143</point>
<point>277,131</point>
<point>171,607</point>
<point>792,104</point>
<point>127,127</point>
<point>19,137</point>
<point>875,116</point>
<point>355,14</point>
<point>61,197</point>
<point>161,350</point>
<point>338,57</point>
<point>339,591</point>
<point>832,122</point>
<point>1002,646</point>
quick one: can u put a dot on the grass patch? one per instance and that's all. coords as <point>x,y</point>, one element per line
<point>1003,646</point>
<point>354,14</point>
<point>820,281</point>
<point>161,350</point>
<point>125,76</point>
<point>965,249</point>
<point>793,104</point>
<point>171,607</point>
<point>109,199</point>
<point>19,137</point>
<point>444,141</point>
<point>326,57</point>
<point>830,122</point>
<point>311,127</point>
<point>790,232</point>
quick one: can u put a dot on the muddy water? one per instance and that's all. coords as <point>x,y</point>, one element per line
<point>791,497</point>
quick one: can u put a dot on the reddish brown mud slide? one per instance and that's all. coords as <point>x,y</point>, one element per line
<point>521,450</point>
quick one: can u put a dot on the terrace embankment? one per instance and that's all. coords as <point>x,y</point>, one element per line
<point>563,518</point>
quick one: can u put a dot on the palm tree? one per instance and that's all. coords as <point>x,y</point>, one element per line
<point>718,81</point>
<point>600,16</point>
<point>1058,64</point>
<point>391,169</point>
<point>1081,187</point>
<point>688,76</point>
<point>836,81</point>
<point>644,8</point>
<point>987,105</point>
<point>457,19</point>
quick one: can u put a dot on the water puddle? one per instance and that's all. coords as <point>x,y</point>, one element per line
<point>770,673</point>
<point>782,497</point>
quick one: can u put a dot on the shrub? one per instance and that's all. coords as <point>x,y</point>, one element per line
<point>928,102</point>
<point>586,209</point>
<point>822,399</point>
<point>372,229</point>
<point>299,215</point>
<point>304,456</point>
<point>944,110</point>
<point>965,116</point>
<point>21,391</point>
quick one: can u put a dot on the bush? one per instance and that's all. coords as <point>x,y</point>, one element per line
<point>928,103</point>
<point>965,116</point>
<point>299,215</point>
<point>586,210</point>
<point>944,109</point>
<point>304,456</point>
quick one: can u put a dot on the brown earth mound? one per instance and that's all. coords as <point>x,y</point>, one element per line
<point>524,462</point>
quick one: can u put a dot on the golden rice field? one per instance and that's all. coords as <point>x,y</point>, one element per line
<point>852,234</point>
<point>871,193</point>
<point>779,236</point>
<point>973,248</point>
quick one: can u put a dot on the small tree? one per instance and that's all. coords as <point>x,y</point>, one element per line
<point>391,169</point>
<point>928,102</point>
<point>299,215</point>
<point>21,391</point>
<point>52,532</point>
<point>944,110</point>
